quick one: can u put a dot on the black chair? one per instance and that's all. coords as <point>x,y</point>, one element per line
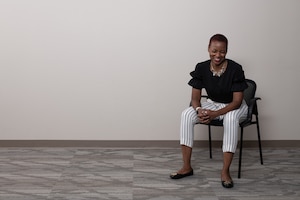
<point>251,100</point>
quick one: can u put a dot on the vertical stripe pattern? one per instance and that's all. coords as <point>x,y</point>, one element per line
<point>230,122</point>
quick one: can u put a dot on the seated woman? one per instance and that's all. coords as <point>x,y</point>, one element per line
<point>224,82</point>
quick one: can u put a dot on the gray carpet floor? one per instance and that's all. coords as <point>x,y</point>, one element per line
<point>143,174</point>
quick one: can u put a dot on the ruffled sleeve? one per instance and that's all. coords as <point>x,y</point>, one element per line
<point>197,77</point>
<point>239,82</point>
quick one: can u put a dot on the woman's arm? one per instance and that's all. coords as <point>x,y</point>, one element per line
<point>235,104</point>
<point>196,98</point>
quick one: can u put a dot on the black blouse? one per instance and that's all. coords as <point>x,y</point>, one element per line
<point>219,89</point>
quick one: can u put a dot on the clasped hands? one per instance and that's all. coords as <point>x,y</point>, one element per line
<point>205,115</point>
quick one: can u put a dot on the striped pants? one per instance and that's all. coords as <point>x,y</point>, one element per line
<point>230,122</point>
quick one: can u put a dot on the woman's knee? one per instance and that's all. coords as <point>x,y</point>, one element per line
<point>189,116</point>
<point>188,113</point>
<point>230,119</point>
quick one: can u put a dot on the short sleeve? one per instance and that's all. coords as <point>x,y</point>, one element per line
<point>239,82</point>
<point>195,82</point>
<point>197,77</point>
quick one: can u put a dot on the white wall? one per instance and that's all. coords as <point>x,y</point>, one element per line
<point>118,70</point>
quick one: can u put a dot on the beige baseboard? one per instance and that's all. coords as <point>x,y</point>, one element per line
<point>135,143</point>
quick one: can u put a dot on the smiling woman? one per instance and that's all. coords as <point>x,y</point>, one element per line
<point>224,82</point>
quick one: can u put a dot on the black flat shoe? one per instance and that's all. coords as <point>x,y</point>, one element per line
<point>227,184</point>
<point>175,175</point>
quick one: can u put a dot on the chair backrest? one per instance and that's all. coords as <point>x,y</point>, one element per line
<point>249,93</point>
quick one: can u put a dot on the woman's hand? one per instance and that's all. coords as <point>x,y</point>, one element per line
<point>205,116</point>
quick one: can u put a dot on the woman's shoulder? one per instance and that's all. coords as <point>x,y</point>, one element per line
<point>234,66</point>
<point>200,69</point>
<point>233,63</point>
<point>203,64</point>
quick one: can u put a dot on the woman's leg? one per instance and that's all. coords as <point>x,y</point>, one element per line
<point>188,119</point>
<point>230,138</point>
<point>231,127</point>
<point>225,173</point>
<point>186,158</point>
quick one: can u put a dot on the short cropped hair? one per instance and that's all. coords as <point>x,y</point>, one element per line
<point>220,38</point>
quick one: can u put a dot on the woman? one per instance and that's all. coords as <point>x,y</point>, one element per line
<point>224,82</point>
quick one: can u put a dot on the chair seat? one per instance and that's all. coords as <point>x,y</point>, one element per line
<point>217,122</point>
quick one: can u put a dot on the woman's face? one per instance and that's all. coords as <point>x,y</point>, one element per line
<point>217,52</point>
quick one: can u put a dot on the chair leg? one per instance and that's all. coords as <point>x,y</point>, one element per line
<point>240,156</point>
<point>259,142</point>
<point>209,137</point>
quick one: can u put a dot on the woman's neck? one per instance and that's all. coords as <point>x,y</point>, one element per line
<point>219,70</point>
<point>218,67</point>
